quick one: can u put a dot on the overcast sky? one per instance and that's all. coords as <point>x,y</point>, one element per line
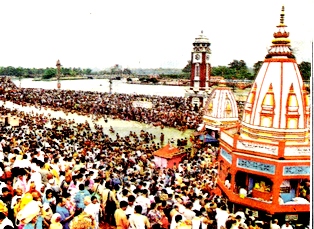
<point>146,34</point>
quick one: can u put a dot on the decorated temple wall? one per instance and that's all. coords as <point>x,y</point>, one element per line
<point>283,75</point>
<point>227,138</point>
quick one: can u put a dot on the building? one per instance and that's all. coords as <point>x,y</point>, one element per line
<point>264,163</point>
<point>220,110</point>
<point>200,71</point>
<point>168,156</point>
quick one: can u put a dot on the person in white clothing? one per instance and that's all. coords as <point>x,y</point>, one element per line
<point>4,221</point>
<point>221,216</point>
<point>137,220</point>
<point>242,214</point>
<point>188,213</point>
<point>142,200</point>
<point>242,192</point>
<point>275,225</point>
<point>286,225</point>
<point>92,208</point>
<point>198,221</point>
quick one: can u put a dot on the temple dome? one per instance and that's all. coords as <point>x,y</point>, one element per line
<point>277,107</point>
<point>201,39</point>
<point>221,108</point>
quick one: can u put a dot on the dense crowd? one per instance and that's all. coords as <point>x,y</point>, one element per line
<point>166,111</point>
<point>59,174</point>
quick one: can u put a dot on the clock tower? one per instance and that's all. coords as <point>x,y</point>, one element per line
<point>200,71</point>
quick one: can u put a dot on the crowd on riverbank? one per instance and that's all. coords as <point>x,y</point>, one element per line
<point>165,111</point>
<point>74,176</point>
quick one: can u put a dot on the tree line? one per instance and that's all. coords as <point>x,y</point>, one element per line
<point>237,69</point>
<point>47,73</point>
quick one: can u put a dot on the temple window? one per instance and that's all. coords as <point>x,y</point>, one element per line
<point>266,121</point>
<point>295,191</point>
<point>258,187</point>
<point>292,123</point>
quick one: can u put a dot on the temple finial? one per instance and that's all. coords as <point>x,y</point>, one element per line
<point>282,15</point>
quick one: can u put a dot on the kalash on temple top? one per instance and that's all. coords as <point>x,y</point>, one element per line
<point>264,160</point>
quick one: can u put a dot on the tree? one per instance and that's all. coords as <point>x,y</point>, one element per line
<point>127,71</point>
<point>257,66</point>
<point>19,72</point>
<point>116,69</point>
<point>220,71</point>
<point>237,64</point>
<point>240,69</point>
<point>305,70</point>
<point>87,71</point>
<point>65,71</point>
<point>49,73</point>
<point>187,67</point>
<point>73,72</point>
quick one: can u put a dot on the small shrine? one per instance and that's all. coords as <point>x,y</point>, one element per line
<point>168,156</point>
<point>264,162</point>
<point>220,109</point>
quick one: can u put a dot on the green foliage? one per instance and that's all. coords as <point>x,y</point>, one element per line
<point>175,76</point>
<point>49,73</point>
<point>188,67</point>
<point>65,71</point>
<point>240,70</point>
<point>73,72</point>
<point>224,71</point>
<point>237,65</point>
<point>8,71</point>
<point>87,71</point>
<point>305,70</point>
<point>116,69</point>
<point>256,67</point>
<point>127,71</point>
<point>39,72</point>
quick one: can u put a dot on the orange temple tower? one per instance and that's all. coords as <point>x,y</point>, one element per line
<point>264,163</point>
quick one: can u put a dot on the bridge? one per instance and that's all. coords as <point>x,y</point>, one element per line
<point>240,84</point>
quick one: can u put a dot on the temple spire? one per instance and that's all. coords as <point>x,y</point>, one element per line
<point>282,16</point>
<point>281,42</point>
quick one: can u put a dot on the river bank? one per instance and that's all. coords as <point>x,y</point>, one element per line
<point>120,126</point>
<point>61,79</point>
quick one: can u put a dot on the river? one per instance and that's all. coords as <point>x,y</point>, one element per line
<point>118,86</point>
<point>120,126</point>
<point>102,85</point>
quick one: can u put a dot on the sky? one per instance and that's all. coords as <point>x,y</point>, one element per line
<point>146,34</point>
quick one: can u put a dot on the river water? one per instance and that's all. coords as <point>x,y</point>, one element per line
<point>120,126</point>
<point>102,85</point>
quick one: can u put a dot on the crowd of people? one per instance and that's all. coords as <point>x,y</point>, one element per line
<point>59,174</point>
<point>166,111</point>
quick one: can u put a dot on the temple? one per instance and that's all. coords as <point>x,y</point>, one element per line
<point>200,71</point>
<point>220,109</point>
<point>264,162</point>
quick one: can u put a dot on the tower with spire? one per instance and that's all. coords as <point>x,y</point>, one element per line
<point>58,65</point>
<point>200,71</point>
<point>268,155</point>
